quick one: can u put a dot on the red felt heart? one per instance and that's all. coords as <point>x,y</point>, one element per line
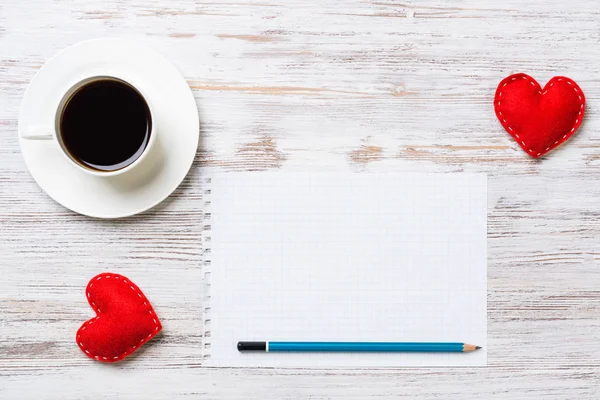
<point>539,119</point>
<point>124,320</point>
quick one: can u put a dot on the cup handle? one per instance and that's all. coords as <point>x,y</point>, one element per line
<point>37,133</point>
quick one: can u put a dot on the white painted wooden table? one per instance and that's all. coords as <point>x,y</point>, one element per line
<point>315,85</point>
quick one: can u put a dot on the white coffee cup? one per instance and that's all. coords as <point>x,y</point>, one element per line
<point>41,132</point>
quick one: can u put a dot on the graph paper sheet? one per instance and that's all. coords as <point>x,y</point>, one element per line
<point>345,257</point>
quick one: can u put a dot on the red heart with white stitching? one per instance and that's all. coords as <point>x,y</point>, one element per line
<point>124,320</point>
<point>539,119</point>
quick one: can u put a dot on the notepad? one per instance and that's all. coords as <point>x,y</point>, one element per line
<point>344,257</point>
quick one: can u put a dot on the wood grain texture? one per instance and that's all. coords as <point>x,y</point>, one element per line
<point>355,85</point>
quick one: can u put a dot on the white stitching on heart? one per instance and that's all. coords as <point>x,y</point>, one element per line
<point>97,310</point>
<point>532,81</point>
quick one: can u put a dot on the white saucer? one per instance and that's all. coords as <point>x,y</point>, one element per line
<point>158,175</point>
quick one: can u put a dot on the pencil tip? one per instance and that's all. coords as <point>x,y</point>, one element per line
<point>477,347</point>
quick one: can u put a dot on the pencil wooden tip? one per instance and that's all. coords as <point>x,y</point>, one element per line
<point>470,347</point>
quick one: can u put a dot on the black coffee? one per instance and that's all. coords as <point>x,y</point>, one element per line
<point>105,125</point>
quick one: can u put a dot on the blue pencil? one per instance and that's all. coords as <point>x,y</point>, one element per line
<point>405,347</point>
